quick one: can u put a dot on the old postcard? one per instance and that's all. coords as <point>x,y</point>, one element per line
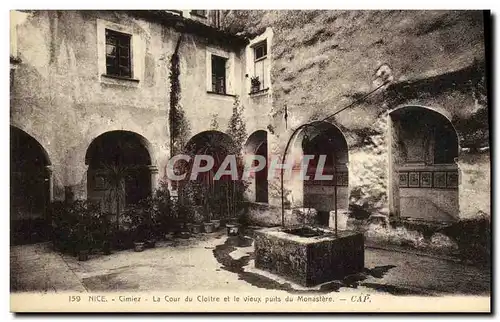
<point>250,161</point>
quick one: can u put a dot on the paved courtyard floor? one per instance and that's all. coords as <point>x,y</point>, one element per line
<point>218,262</point>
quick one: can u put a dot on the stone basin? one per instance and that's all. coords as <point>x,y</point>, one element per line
<point>309,255</point>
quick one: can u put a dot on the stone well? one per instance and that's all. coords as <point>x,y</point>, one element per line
<point>309,255</point>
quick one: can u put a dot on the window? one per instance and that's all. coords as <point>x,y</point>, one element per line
<point>118,62</point>
<point>446,145</point>
<point>199,13</point>
<point>218,74</point>
<point>260,50</point>
<point>260,66</point>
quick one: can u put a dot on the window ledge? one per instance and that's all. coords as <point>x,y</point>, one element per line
<point>118,81</point>
<point>259,92</point>
<point>121,78</point>
<point>220,94</point>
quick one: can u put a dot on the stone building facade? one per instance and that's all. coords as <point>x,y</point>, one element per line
<point>89,87</point>
<point>409,137</point>
<point>417,147</point>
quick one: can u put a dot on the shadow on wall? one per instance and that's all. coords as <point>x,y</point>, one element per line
<point>468,240</point>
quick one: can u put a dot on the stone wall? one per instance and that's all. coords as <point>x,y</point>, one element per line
<point>324,60</point>
<point>60,98</point>
<point>321,61</point>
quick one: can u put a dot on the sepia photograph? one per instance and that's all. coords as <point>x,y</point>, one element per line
<point>250,160</point>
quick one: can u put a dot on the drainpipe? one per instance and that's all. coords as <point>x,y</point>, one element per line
<point>335,187</point>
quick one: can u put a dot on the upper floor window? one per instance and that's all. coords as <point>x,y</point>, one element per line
<point>260,51</point>
<point>118,60</point>
<point>219,74</point>
<point>200,13</point>
<point>261,66</point>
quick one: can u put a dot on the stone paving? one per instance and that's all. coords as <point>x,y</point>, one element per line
<point>38,268</point>
<point>218,262</point>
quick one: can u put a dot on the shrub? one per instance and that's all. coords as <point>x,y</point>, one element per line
<point>166,212</point>
<point>79,225</point>
<point>473,237</point>
<point>142,219</point>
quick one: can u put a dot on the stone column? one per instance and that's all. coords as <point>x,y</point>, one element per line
<point>76,185</point>
<point>154,177</point>
<point>48,170</point>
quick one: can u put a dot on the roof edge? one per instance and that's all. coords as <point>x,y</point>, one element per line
<point>186,25</point>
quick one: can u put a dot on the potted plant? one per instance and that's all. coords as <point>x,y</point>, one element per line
<point>216,223</point>
<point>167,223</point>
<point>212,204</point>
<point>99,226</point>
<point>185,209</point>
<point>139,238</point>
<point>136,226</point>
<point>139,246</point>
<point>232,226</point>
<point>150,220</point>
<point>106,233</point>
<point>183,214</point>
<point>83,233</point>
<point>232,229</point>
<point>208,225</point>
<point>63,223</point>
<point>197,221</point>
<point>255,84</point>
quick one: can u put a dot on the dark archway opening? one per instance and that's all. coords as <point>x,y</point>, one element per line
<point>324,139</point>
<point>261,193</point>
<point>30,181</point>
<point>257,145</point>
<point>424,173</point>
<point>119,170</point>
<point>214,198</point>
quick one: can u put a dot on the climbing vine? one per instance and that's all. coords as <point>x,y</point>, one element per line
<point>237,131</point>
<point>236,126</point>
<point>179,126</point>
<point>214,124</point>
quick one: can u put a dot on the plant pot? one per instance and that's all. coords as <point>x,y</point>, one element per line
<point>255,88</point>
<point>232,229</point>
<point>196,229</point>
<point>208,227</point>
<point>139,246</point>
<point>184,234</point>
<point>106,248</point>
<point>216,223</point>
<point>83,255</point>
<point>150,243</point>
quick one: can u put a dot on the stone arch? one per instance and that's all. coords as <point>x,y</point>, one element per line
<point>213,138</point>
<point>256,144</point>
<point>30,186</point>
<point>214,197</point>
<point>137,137</point>
<point>121,170</point>
<point>316,139</point>
<point>423,173</point>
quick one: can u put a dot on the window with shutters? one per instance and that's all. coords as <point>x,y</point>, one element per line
<point>260,65</point>
<point>219,74</point>
<point>118,54</point>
